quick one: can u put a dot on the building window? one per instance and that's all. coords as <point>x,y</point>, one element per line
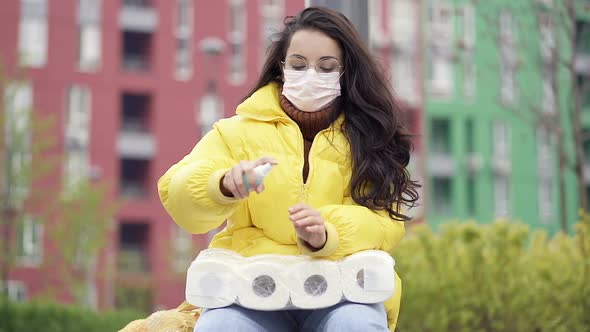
<point>183,249</point>
<point>90,49</point>
<point>77,137</point>
<point>17,290</point>
<point>378,36</point>
<point>501,168</point>
<point>468,45</point>
<point>136,50</point>
<point>138,3</point>
<point>29,242</point>
<point>441,48</point>
<point>474,161</point>
<point>441,72</point>
<point>210,111</point>
<point>33,31</point>
<point>547,40</point>
<point>184,33</point>
<point>134,178</point>
<point>508,59</point>
<point>404,75</point>
<point>136,113</point>
<point>442,21</point>
<point>583,37</point>
<point>501,136</point>
<point>134,247</point>
<point>440,140</point>
<point>237,39</point>
<point>470,78</point>
<point>441,162</point>
<point>272,14</point>
<point>546,202</point>
<point>502,196</point>
<point>441,201</point>
<point>404,33</point>
<point>469,27</point>
<point>18,98</point>
<point>403,23</point>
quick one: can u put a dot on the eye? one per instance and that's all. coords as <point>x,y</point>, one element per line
<point>327,69</point>
<point>328,65</point>
<point>298,67</point>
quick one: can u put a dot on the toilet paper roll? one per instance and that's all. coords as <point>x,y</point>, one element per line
<point>262,286</point>
<point>368,277</point>
<point>220,254</point>
<point>314,284</point>
<point>211,282</point>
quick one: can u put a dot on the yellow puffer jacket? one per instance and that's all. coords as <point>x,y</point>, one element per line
<point>260,224</point>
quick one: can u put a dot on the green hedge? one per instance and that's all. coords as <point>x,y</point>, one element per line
<point>51,317</point>
<point>497,277</point>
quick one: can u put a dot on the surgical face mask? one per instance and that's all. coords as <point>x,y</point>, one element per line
<point>309,90</point>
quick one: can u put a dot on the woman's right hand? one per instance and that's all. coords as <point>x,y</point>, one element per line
<point>232,184</point>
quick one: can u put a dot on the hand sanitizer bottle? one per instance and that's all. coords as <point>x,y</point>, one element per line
<point>261,172</point>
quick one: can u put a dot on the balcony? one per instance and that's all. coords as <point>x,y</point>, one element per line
<point>136,145</point>
<point>138,16</point>
<point>134,176</point>
<point>135,141</point>
<point>441,165</point>
<point>136,51</point>
<point>132,260</point>
<point>133,247</point>
<point>501,166</point>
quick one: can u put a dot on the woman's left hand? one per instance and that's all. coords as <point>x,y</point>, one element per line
<point>309,225</point>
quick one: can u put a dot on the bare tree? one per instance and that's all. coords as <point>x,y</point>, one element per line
<point>79,217</point>
<point>558,110</point>
<point>24,136</point>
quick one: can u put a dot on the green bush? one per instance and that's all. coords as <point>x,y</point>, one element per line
<point>497,277</point>
<point>51,317</point>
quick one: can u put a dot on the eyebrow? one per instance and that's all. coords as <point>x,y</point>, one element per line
<point>322,58</point>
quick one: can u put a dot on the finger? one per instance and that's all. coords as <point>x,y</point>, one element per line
<point>314,229</point>
<point>229,184</point>
<point>309,221</point>
<point>260,188</point>
<point>265,160</point>
<point>237,176</point>
<point>299,207</point>
<point>249,178</point>
<point>303,214</point>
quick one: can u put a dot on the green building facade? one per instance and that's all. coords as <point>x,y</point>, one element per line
<point>495,102</point>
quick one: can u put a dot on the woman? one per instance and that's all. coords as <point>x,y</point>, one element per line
<point>323,115</point>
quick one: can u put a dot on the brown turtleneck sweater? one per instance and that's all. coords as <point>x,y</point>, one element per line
<point>310,124</point>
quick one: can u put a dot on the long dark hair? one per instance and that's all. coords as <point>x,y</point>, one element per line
<point>380,145</point>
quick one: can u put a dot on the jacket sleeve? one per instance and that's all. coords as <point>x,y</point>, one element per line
<point>352,228</point>
<point>190,190</point>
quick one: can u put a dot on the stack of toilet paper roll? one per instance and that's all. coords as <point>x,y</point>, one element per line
<point>218,278</point>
